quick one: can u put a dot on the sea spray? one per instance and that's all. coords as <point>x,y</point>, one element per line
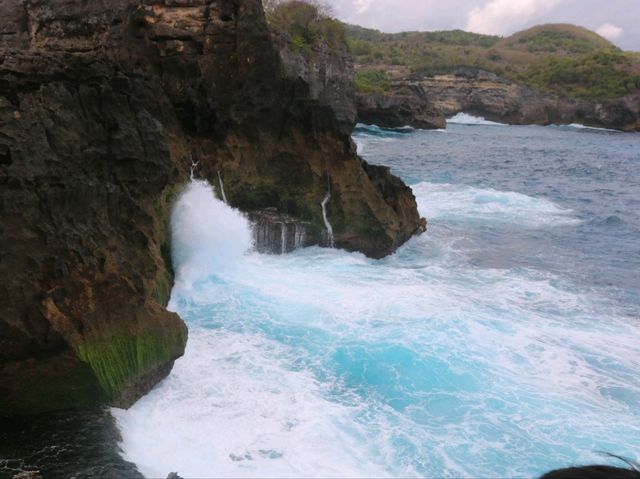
<point>206,234</point>
<point>466,119</point>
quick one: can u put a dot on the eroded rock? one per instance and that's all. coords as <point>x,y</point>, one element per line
<point>485,94</point>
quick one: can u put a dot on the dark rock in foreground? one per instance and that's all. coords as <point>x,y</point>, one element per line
<point>103,107</point>
<point>62,445</point>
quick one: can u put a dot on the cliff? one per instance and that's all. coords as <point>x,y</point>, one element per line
<point>485,94</point>
<point>405,104</point>
<point>552,73</point>
<point>103,107</point>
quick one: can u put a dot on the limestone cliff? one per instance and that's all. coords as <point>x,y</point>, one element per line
<point>103,106</point>
<point>494,98</point>
<point>405,104</point>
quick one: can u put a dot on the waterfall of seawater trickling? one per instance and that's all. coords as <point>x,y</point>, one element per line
<point>326,220</point>
<point>192,170</point>
<point>299,236</point>
<point>223,196</point>
<point>283,238</point>
<point>277,233</point>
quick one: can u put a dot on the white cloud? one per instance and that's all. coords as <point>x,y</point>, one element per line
<point>362,6</point>
<point>500,17</point>
<point>609,31</point>
<point>399,15</point>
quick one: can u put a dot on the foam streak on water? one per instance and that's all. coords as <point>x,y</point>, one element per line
<point>323,363</point>
<point>466,119</point>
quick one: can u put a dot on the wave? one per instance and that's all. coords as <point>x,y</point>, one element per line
<point>363,134</point>
<point>234,407</point>
<point>579,126</point>
<point>460,204</point>
<point>325,363</point>
<point>466,119</point>
<point>206,234</point>
<point>379,132</point>
<point>399,374</point>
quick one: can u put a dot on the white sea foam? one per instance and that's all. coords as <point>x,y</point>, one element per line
<point>441,201</point>
<point>466,119</point>
<point>360,145</point>
<point>290,384</point>
<point>324,363</point>
<point>234,407</point>
<point>206,234</point>
<point>585,127</point>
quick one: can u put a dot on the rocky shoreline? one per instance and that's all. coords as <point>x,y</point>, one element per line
<point>103,107</point>
<point>424,100</point>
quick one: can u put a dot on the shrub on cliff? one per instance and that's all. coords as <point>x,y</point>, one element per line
<point>371,81</point>
<point>601,74</point>
<point>305,24</point>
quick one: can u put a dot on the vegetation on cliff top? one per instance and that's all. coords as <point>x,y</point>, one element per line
<point>562,59</point>
<point>371,81</point>
<point>305,24</point>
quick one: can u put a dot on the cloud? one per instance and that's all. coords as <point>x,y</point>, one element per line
<point>362,6</point>
<point>609,31</point>
<point>401,15</point>
<point>498,17</point>
<point>501,17</point>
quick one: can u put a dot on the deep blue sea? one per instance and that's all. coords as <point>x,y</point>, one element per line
<point>504,342</point>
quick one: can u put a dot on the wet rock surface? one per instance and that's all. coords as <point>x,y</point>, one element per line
<point>62,445</point>
<point>278,233</point>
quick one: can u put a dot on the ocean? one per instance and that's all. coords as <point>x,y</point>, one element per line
<point>503,342</point>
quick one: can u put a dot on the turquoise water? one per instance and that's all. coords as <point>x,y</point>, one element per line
<point>502,343</point>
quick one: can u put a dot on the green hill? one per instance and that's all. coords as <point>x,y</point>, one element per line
<point>559,58</point>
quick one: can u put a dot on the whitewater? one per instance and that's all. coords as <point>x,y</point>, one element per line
<point>504,342</point>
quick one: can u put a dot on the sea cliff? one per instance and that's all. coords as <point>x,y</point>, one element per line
<point>425,99</point>
<point>104,107</point>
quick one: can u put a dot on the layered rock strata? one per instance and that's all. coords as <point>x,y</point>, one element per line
<point>405,104</point>
<point>497,99</point>
<point>103,106</point>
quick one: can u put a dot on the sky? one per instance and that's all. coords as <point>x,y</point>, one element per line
<point>616,20</point>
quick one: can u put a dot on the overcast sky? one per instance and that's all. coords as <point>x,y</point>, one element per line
<point>617,20</point>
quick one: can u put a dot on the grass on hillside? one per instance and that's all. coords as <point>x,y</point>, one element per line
<point>371,81</point>
<point>562,59</point>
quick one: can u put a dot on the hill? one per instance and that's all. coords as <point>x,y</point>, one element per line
<point>557,58</point>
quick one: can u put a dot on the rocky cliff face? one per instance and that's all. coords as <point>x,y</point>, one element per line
<point>103,107</point>
<point>406,104</point>
<point>497,99</point>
